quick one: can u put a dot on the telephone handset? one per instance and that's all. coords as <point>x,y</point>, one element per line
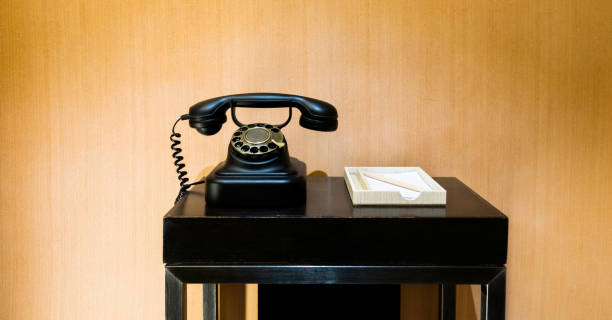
<point>258,171</point>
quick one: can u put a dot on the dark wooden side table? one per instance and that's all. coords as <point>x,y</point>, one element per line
<point>328,241</point>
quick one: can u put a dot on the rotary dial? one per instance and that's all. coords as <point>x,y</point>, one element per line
<point>257,139</point>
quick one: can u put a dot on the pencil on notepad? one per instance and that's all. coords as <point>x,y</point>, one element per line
<point>391,181</point>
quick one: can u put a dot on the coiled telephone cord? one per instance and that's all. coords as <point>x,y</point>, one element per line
<point>174,138</point>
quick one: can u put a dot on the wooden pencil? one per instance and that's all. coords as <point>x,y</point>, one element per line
<point>391,181</point>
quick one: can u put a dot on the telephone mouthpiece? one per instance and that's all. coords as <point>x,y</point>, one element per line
<point>209,130</point>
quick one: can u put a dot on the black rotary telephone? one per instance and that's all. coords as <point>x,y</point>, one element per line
<point>258,171</point>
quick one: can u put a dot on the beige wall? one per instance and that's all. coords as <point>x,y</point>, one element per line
<point>512,97</point>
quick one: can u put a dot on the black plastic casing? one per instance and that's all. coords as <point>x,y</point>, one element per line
<point>274,181</point>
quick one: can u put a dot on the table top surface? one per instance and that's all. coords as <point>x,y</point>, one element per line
<point>328,197</point>
<point>329,230</point>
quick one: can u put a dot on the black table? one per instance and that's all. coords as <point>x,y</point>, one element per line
<point>328,241</point>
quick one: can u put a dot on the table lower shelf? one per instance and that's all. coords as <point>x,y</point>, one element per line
<point>329,301</point>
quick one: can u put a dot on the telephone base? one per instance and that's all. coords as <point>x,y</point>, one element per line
<point>225,187</point>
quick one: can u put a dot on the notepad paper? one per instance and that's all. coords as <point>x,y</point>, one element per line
<point>412,178</point>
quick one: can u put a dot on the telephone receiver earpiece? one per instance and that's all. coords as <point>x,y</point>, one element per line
<point>209,115</point>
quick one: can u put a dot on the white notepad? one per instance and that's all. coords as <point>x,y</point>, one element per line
<point>366,192</point>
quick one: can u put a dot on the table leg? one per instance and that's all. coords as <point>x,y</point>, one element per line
<point>447,300</point>
<point>176,298</point>
<point>210,301</point>
<point>493,302</point>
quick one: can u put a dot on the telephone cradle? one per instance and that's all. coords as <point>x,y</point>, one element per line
<point>258,171</point>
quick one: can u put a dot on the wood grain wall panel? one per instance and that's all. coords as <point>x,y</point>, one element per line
<point>512,97</point>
